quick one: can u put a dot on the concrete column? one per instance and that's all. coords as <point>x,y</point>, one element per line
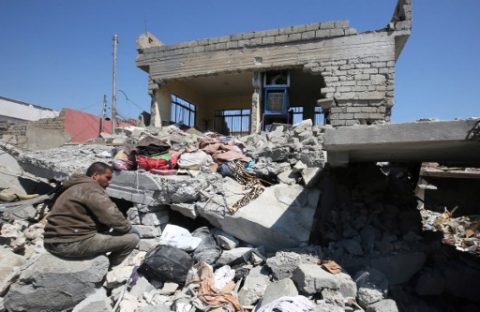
<point>157,103</point>
<point>255,124</point>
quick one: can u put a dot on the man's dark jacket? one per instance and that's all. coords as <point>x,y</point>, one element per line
<point>81,210</point>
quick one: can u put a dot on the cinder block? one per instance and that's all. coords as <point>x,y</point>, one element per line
<point>248,35</point>
<point>293,37</point>
<point>362,77</point>
<point>308,35</point>
<point>232,44</point>
<point>362,65</point>
<point>322,33</point>
<point>327,25</point>
<point>337,32</point>
<point>370,70</point>
<point>268,40</point>
<point>281,38</point>
<point>341,24</point>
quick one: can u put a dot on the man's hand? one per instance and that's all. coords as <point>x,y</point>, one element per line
<point>134,230</point>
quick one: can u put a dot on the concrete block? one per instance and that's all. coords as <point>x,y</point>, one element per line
<point>146,244</point>
<point>254,287</point>
<point>312,26</point>
<point>298,28</point>
<point>327,25</point>
<point>232,44</point>
<point>278,289</point>
<point>232,255</point>
<point>281,38</point>
<point>98,301</point>
<point>148,231</point>
<point>337,32</point>
<point>362,77</point>
<point>342,24</point>
<point>154,218</point>
<point>248,35</point>
<point>322,33</point>
<point>280,217</point>
<point>308,35</point>
<point>255,41</point>
<point>295,36</point>
<point>185,209</point>
<point>311,279</point>
<point>38,286</point>
<point>268,40</point>
<point>370,70</point>
<point>386,305</point>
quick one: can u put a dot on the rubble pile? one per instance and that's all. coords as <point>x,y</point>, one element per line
<point>284,233</point>
<point>462,232</point>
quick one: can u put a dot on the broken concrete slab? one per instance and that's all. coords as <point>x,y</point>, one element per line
<point>311,279</point>
<point>98,301</point>
<point>445,141</point>
<point>37,287</point>
<point>146,244</point>
<point>372,286</point>
<point>347,286</point>
<point>285,262</point>
<point>146,231</point>
<point>282,288</point>
<point>225,240</point>
<point>229,256</point>
<point>10,264</point>
<point>154,218</point>
<point>188,210</point>
<point>333,297</point>
<point>310,175</point>
<point>385,305</point>
<point>141,286</point>
<point>254,287</point>
<point>282,216</point>
<point>118,276</point>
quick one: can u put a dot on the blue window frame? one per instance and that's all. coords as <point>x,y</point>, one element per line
<point>276,100</point>
<point>319,116</point>
<point>182,111</point>
<point>296,114</point>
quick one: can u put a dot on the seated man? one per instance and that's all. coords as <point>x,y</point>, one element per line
<point>79,214</point>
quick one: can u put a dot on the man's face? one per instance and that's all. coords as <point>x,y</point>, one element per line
<point>104,178</point>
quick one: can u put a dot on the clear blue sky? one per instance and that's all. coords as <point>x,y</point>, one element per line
<point>57,53</point>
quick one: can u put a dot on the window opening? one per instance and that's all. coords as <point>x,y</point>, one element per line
<point>320,116</point>
<point>296,114</point>
<point>233,121</point>
<point>182,111</point>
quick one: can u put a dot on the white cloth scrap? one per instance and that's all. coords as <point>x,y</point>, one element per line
<point>179,237</point>
<point>288,304</point>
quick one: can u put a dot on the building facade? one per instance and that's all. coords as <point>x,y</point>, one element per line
<point>241,83</point>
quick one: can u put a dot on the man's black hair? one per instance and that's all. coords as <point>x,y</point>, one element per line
<point>98,167</point>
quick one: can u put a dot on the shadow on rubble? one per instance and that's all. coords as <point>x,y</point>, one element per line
<point>367,217</point>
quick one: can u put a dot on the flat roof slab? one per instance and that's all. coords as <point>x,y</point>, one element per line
<point>453,142</point>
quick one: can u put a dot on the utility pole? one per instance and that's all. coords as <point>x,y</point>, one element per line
<point>104,113</point>
<point>114,83</point>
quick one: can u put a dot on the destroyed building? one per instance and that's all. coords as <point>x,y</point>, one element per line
<point>307,217</point>
<point>327,72</point>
